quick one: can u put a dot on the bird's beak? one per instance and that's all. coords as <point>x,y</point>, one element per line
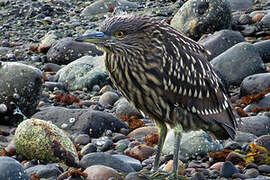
<point>96,38</point>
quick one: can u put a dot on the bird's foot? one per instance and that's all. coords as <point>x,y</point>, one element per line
<point>160,175</point>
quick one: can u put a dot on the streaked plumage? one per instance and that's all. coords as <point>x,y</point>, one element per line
<point>166,75</point>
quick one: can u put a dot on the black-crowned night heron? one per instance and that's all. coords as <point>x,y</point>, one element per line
<point>166,75</point>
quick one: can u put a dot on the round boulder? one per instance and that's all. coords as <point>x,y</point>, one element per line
<point>20,87</point>
<point>83,73</point>
<point>66,50</point>
<point>41,140</point>
<point>196,18</point>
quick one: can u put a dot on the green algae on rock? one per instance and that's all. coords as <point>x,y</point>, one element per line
<point>41,140</point>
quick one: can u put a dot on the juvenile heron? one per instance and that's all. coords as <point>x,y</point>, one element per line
<point>167,76</point>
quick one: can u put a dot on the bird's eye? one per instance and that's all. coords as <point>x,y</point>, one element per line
<point>119,34</point>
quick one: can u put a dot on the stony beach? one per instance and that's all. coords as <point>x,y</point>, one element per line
<point>61,118</point>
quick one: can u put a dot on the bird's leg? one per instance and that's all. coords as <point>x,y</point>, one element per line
<point>162,129</point>
<point>153,175</point>
<point>178,135</point>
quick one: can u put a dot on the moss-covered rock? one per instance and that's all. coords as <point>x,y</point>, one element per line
<point>38,139</point>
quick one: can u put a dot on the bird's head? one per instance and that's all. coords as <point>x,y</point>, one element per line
<point>123,34</point>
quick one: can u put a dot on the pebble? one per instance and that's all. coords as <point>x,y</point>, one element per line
<point>12,169</point>
<point>108,98</point>
<point>264,168</point>
<point>257,125</point>
<point>252,173</point>
<point>88,148</point>
<point>100,172</point>
<point>228,169</point>
<point>82,139</point>
<point>255,84</point>
<point>99,158</point>
<point>45,171</point>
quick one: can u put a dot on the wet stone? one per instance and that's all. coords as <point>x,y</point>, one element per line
<point>100,172</point>
<point>228,169</point>
<point>136,164</point>
<point>227,63</point>
<point>220,41</point>
<point>263,48</point>
<point>252,173</point>
<point>108,98</point>
<point>89,148</point>
<point>84,72</point>
<point>82,139</point>
<point>257,125</point>
<point>67,50</point>
<point>255,84</point>
<point>12,169</point>
<point>263,141</point>
<point>264,168</point>
<point>106,160</point>
<point>45,171</point>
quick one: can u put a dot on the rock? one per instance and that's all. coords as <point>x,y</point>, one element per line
<point>263,48</point>
<point>198,176</point>
<point>51,67</point>
<point>232,145</point>
<point>20,87</point>
<point>142,132</point>
<point>238,62</point>
<point>240,5</point>
<point>252,173</point>
<point>264,168</point>
<point>266,20</point>
<point>244,137</point>
<point>141,152</point>
<point>38,139</point>
<point>93,123</point>
<point>11,169</point>
<point>257,125</point>
<point>83,73</point>
<point>65,50</point>
<point>99,158</point>
<point>104,6</point>
<point>220,41</point>
<point>124,108</point>
<point>47,41</point>
<point>45,171</point>
<point>196,18</point>
<point>82,139</point>
<point>263,141</point>
<point>134,176</point>
<point>100,172</point>
<point>255,84</point>
<point>263,103</point>
<point>228,169</point>
<point>134,163</point>
<point>89,148</point>
<point>194,143</point>
<point>108,98</point>
<point>52,85</point>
